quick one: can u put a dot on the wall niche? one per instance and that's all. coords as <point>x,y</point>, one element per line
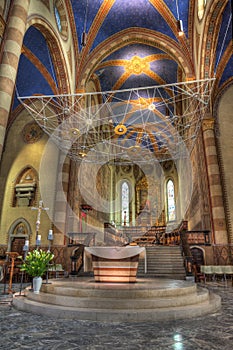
<point>25,188</point>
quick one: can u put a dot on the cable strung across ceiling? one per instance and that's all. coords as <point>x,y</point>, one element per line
<point>132,125</point>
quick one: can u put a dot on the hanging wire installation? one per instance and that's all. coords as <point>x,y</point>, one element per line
<point>142,124</point>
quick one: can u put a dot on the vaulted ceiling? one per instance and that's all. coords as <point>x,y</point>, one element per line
<point>118,45</point>
<point>128,44</point>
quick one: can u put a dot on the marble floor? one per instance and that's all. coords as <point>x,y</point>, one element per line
<point>20,330</point>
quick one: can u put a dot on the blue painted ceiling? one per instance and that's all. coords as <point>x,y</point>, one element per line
<point>118,15</point>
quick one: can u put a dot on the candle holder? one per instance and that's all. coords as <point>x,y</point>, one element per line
<point>50,239</point>
<point>25,251</point>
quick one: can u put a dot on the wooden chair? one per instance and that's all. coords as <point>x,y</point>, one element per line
<point>228,272</point>
<point>207,271</point>
<point>218,272</point>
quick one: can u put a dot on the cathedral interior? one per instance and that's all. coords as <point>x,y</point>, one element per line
<point>116,132</point>
<point>115,126</point>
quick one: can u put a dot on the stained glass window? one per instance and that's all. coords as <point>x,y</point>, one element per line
<point>125,203</point>
<point>58,19</point>
<point>171,206</point>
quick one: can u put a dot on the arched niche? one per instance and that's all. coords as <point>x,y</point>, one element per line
<point>20,230</point>
<point>25,188</point>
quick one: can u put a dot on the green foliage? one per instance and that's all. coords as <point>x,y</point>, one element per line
<point>36,262</point>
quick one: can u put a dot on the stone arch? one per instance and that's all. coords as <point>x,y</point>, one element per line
<point>135,36</point>
<point>25,187</point>
<point>19,229</point>
<point>199,250</point>
<point>198,256</point>
<point>210,38</point>
<point>56,52</point>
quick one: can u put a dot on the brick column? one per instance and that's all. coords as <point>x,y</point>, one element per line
<point>215,188</point>
<point>13,41</point>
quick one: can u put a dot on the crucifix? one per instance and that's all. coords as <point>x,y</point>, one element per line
<point>39,209</point>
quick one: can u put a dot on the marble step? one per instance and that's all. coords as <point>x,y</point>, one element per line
<point>163,262</point>
<point>119,303</point>
<point>165,267</point>
<point>120,315</point>
<point>163,249</point>
<point>144,288</point>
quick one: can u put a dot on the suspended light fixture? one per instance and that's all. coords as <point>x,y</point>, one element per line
<point>180,27</point>
<point>66,110</point>
<point>84,34</point>
<point>82,154</point>
<point>74,131</point>
<point>84,39</point>
<point>179,22</point>
<point>134,148</point>
<point>151,107</point>
<point>120,129</point>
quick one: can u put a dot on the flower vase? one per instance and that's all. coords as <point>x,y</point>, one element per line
<point>36,282</point>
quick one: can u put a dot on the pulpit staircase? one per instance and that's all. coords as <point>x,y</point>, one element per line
<point>162,262</point>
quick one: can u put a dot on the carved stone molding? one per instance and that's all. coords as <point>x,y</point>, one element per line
<point>2,27</point>
<point>208,124</point>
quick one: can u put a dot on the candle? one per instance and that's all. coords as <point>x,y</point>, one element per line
<point>38,239</point>
<point>50,235</point>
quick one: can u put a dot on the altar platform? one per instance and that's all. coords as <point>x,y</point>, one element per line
<point>146,300</point>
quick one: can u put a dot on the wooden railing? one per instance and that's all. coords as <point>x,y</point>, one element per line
<point>77,238</point>
<point>137,234</point>
<point>198,237</point>
<point>155,235</point>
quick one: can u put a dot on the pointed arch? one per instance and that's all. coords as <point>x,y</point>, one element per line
<point>19,229</point>
<point>25,187</point>
<point>125,202</point>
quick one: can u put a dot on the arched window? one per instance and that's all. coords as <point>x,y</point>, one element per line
<point>171,205</point>
<point>58,18</point>
<point>125,203</point>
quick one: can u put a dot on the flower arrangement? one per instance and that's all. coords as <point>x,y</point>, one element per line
<point>36,262</point>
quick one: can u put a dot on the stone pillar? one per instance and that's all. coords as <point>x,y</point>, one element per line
<point>215,188</point>
<point>13,41</point>
<point>60,215</point>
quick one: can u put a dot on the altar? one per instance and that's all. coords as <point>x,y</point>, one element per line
<point>114,264</point>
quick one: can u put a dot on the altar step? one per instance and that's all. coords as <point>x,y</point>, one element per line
<point>146,300</point>
<point>163,261</point>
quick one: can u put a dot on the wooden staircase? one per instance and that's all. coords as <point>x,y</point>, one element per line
<point>163,261</point>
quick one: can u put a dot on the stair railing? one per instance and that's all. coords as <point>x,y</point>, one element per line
<point>185,249</point>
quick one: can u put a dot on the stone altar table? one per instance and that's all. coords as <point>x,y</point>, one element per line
<point>113,264</point>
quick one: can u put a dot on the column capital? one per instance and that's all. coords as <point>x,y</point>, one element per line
<point>208,124</point>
